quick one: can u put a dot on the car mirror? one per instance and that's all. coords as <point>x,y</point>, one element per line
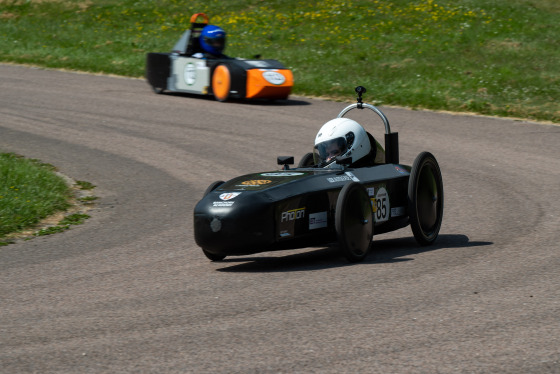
<point>285,160</point>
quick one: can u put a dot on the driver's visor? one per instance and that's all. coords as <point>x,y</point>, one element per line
<point>216,42</point>
<point>328,150</point>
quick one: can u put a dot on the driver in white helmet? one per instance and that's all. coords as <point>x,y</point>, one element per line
<point>343,137</point>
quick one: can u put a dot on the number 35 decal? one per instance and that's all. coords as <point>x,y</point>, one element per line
<point>382,205</point>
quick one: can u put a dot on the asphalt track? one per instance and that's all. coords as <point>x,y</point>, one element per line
<point>130,292</point>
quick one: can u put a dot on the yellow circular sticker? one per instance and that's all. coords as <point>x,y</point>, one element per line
<point>256,182</point>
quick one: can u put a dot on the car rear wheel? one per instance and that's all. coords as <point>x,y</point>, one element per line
<point>221,82</point>
<point>158,90</point>
<point>354,221</point>
<point>212,256</point>
<point>306,161</point>
<point>425,198</point>
<point>212,187</point>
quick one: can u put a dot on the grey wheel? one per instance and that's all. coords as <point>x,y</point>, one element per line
<point>212,256</point>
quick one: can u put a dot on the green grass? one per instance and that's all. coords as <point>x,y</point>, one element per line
<point>492,57</point>
<point>64,224</point>
<point>31,191</point>
<point>85,185</point>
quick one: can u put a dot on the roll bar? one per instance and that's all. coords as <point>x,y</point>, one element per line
<point>391,138</point>
<point>369,106</point>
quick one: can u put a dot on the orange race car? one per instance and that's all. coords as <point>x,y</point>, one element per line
<point>197,65</point>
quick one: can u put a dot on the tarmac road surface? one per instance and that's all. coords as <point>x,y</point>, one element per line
<point>130,292</point>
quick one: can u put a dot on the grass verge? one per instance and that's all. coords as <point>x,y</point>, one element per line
<point>492,57</point>
<point>31,191</point>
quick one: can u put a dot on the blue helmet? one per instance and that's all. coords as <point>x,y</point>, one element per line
<point>213,39</point>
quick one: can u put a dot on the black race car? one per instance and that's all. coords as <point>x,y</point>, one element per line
<point>312,205</point>
<point>190,69</point>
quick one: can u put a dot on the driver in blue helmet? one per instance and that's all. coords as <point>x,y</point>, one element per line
<point>213,42</point>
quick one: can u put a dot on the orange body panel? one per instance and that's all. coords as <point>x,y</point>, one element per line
<point>259,87</point>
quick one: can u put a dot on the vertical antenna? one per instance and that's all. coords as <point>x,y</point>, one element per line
<point>360,90</point>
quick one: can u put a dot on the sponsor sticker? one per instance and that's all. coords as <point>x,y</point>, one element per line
<point>223,203</point>
<point>256,182</point>
<point>348,176</point>
<point>285,234</point>
<point>274,77</point>
<point>229,195</point>
<point>317,220</point>
<point>352,176</point>
<point>292,215</point>
<point>340,178</point>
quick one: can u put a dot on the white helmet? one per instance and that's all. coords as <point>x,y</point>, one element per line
<point>340,137</point>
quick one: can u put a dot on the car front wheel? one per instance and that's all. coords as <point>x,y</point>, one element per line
<point>354,222</point>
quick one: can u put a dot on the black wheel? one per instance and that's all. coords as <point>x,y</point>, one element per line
<point>158,90</point>
<point>425,198</point>
<point>212,187</point>
<point>306,161</point>
<point>354,221</point>
<point>212,256</point>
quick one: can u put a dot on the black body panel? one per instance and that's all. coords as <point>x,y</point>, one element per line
<point>158,69</point>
